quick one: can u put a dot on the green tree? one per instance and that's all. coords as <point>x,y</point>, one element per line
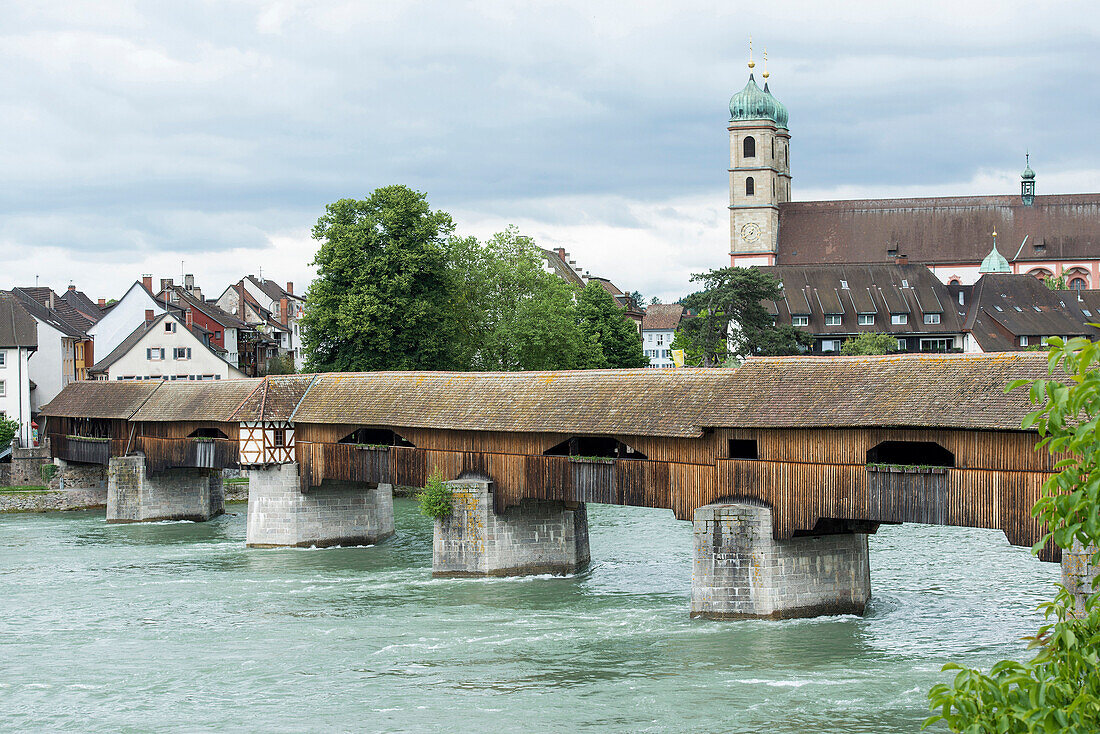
<point>654,301</point>
<point>869,343</point>
<point>731,320</point>
<point>609,336</point>
<point>281,364</point>
<point>1058,690</point>
<point>514,315</point>
<point>8,429</point>
<point>382,296</point>
<point>1055,283</point>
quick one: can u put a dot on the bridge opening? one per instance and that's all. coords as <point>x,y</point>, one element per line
<point>743,448</point>
<point>90,427</point>
<point>910,453</point>
<point>207,433</point>
<point>375,437</point>
<point>595,447</point>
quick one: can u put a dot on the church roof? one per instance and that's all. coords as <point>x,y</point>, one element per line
<point>941,230</point>
<point>754,103</point>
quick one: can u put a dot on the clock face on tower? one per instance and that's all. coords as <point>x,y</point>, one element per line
<point>750,232</point>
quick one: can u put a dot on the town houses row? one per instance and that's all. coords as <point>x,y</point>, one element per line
<point>170,332</point>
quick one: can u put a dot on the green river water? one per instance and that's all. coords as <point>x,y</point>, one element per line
<point>179,627</point>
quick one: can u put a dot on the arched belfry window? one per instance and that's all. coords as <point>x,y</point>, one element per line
<point>750,186</point>
<point>750,147</point>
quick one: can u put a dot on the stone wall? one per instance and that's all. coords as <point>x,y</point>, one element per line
<point>1078,573</point>
<point>24,470</point>
<point>135,495</point>
<point>53,501</point>
<point>74,475</point>
<point>741,572</point>
<point>535,537</point>
<point>336,513</point>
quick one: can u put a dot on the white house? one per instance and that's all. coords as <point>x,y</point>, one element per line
<point>658,328</point>
<point>164,348</point>
<point>127,314</point>
<point>18,340</point>
<point>62,342</point>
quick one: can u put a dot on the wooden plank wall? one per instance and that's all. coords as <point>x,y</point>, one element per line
<point>804,475</point>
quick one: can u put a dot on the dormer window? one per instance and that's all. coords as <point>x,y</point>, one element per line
<point>899,318</point>
<point>800,320</point>
<point>931,318</point>
<point>833,319</point>
<point>866,319</point>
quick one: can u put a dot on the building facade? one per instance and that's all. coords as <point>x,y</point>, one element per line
<point>1052,235</point>
<point>18,342</point>
<point>164,348</point>
<point>658,329</point>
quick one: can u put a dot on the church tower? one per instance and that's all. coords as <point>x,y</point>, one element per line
<point>760,173</point>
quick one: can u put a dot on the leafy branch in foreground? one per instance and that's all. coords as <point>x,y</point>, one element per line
<point>1058,690</point>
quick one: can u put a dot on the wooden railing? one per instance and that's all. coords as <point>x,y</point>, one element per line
<point>83,449</point>
<point>172,453</point>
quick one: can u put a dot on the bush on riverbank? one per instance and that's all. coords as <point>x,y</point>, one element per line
<point>1058,690</point>
<point>436,499</point>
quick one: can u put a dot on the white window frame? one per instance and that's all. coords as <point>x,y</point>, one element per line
<point>157,351</point>
<point>899,318</point>
<point>3,388</point>
<point>1023,341</point>
<point>866,319</point>
<point>903,344</point>
<point>170,326</point>
<point>931,318</point>
<point>800,320</point>
<point>834,345</point>
<point>3,358</point>
<point>833,319</point>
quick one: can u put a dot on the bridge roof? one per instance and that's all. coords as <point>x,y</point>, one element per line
<point>639,402</point>
<point>200,400</point>
<point>936,391</point>
<point>100,399</point>
<point>926,390</point>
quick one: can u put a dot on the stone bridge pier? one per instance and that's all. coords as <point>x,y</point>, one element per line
<point>1078,574</point>
<point>535,537</point>
<point>135,494</point>
<point>336,513</point>
<point>741,572</point>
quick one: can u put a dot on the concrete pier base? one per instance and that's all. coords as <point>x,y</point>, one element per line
<point>137,495</point>
<point>741,572</point>
<point>1078,574</point>
<point>336,513</point>
<point>534,538</point>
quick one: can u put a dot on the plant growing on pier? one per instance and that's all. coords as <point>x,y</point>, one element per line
<point>436,498</point>
<point>1059,688</point>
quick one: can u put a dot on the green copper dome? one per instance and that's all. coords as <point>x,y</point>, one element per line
<point>754,103</point>
<point>1028,174</point>
<point>995,262</point>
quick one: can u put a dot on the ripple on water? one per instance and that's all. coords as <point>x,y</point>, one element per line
<point>177,626</point>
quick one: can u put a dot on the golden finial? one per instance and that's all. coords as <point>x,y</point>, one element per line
<point>765,63</point>
<point>751,62</point>
<point>994,236</point>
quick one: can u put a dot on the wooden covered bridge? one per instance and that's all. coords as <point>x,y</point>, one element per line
<point>828,446</point>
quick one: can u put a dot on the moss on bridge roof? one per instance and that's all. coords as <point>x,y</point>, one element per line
<point>941,391</point>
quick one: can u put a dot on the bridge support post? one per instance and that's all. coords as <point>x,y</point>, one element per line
<point>136,495</point>
<point>336,513</point>
<point>534,538</point>
<point>1078,574</point>
<point>741,572</point>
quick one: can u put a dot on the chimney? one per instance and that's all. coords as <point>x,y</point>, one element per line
<point>72,287</point>
<point>53,303</point>
<point>190,319</point>
<point>165,283</point>
<point>189,281</point>
<point>147,281</point>
<point>148,316</point>
<point>282,310</point>
<point>901,259</point>
<point>102,302</point>
<point>561,252</point>
<point>290,287</point>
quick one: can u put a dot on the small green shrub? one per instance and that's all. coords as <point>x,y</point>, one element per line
<point>436,499</point>
<point>46,471</point>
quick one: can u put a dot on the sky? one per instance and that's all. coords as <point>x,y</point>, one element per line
<point>207,137</point>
